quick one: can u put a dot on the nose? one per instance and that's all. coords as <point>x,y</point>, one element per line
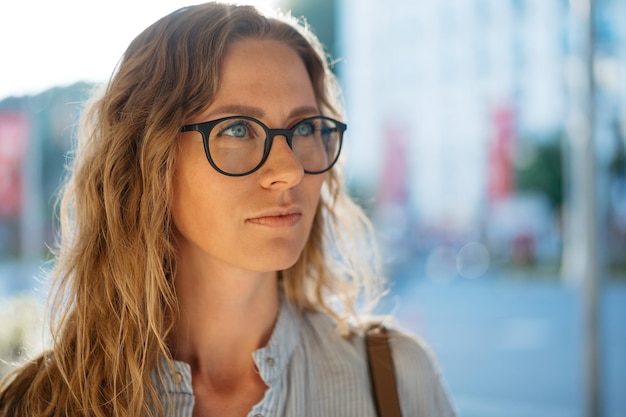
<point>281,169</point>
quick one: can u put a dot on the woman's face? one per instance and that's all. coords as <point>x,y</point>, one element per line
<point>259,222</point>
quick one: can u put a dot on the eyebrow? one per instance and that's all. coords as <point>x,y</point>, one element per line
<point>251,111</point>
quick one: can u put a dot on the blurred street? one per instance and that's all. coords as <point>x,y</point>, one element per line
<point>513,346</point>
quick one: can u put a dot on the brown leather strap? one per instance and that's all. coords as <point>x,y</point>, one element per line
<point>382,373</point>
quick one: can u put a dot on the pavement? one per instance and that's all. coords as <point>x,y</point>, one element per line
<point>512,347</point>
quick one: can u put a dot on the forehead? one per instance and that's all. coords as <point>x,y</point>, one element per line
<point>253,65</point>
<point>267,75</point>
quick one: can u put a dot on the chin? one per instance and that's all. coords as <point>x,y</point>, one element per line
<point>279,260</point>
<point>278,265</point>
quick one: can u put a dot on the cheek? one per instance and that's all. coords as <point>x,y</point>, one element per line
<point>192,191</point>
<point>185,205</point>
<point>312,188</point>
<point>317,182</point>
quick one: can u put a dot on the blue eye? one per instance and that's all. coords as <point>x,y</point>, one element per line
<point>238,130</point>
<point>305,129</point>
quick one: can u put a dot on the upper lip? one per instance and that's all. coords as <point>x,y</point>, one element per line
<point>276,212</point>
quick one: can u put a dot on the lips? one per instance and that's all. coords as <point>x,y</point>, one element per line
<point>277,218</point>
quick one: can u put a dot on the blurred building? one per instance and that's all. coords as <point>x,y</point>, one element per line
<point>35,135</point>
<point>448,91</point>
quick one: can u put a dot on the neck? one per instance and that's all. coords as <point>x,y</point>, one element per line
<point>225,315</point>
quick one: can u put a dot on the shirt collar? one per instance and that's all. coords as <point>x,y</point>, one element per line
<point>272,359</point>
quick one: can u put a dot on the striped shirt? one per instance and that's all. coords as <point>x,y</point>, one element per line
<point>310,370</point>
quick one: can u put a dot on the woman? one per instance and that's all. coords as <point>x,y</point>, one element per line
<point>209,254</point>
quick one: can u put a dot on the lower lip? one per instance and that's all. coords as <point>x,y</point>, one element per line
<point>277,221</point>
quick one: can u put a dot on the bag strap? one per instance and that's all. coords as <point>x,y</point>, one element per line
<point>381,369</point>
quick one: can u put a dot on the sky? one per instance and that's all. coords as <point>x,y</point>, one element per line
<point>47,43</point>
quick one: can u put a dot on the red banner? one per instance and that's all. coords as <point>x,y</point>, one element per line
<point>14,136</point>
<point>393,188</point>
<point>500,171</point>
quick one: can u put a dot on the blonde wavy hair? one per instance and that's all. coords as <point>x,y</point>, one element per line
<point>114,302</point>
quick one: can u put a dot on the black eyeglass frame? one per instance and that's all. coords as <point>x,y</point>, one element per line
<point>205,129</point>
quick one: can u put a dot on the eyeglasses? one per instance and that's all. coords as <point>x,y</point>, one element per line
<point>239,145</point>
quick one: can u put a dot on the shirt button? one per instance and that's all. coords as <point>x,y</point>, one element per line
<point>258,415</point>
<point>270,361</point>
<point>178,378</point>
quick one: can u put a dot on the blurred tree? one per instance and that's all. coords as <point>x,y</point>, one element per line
<point>542,169</point>
<point>320,14</point>
<point>617,202</point>
<point>617,166</point>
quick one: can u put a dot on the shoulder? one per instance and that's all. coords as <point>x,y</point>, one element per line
<point>421,386</point>
<point>320,333</point>
<point>413,351</point>
<point>409,350</point>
